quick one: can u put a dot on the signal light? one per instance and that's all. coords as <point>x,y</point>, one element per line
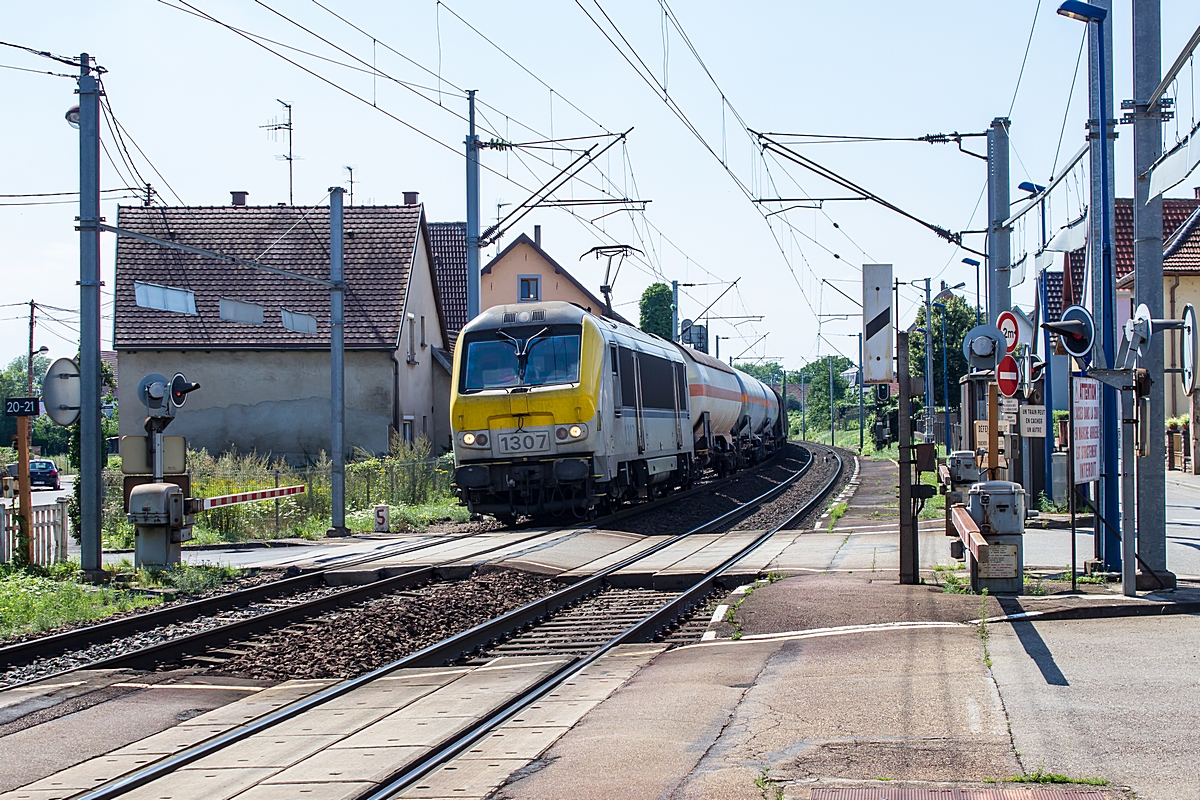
<point>180,388</point>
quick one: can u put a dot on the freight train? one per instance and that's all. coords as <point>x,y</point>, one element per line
<point>556,410</point>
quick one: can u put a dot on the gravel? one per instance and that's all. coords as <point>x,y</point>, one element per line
<point>164,633</point>
<point>801,492</point>
<point>354,640</point>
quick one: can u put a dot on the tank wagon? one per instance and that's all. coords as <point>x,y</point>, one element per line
<point>558,410</point>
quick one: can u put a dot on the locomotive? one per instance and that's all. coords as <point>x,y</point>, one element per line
<point>557,410</point>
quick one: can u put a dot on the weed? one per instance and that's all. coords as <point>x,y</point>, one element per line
<point>1093,579</point>
<point>30,600</point>
<point>836,513</point>
<point>187,578</point>
<point>1041,776</point>
<point>775,577</point>
<point>1048,506</point>
<point>736,635</point>
<point>874,553</point>
<point>1033,585</point>
<point>767,786</point>
<point>946,576</point>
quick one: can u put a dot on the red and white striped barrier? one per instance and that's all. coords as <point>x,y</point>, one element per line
<point>248,497</point>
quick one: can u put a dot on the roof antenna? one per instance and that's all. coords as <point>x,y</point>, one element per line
<point>610,250</point>
<point>274,126</point>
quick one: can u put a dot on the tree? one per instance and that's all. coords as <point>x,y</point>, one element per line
<point>769,372</point>
<point>960,318</point>
<point>815,376</point>
<point>655,307</point>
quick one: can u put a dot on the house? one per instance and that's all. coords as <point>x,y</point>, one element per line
<point>525,273</point>
<point>259,343</point>
<point>1181,280</point>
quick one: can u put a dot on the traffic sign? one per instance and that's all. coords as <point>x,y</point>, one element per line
<point>1007,323</point>
<point>1076,330</point>
<point>1008,376</point>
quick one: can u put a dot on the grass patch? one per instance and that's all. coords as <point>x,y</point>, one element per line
<point>41,600</point>
<point>1041,776</point>
<point>836,513</point>
<point>768,788</point>
<point>418,517</point>
<point>947,577</point>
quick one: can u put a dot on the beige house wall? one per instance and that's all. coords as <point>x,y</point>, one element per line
<point>1178,291</point>
<point>500,285</point>
<point>419,372</point>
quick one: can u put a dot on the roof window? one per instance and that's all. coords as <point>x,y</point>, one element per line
<point>300,323</point>
<point>241,311</point>
<point>164,298</point>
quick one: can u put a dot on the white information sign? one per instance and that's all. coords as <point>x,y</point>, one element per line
<point>1000,562</point>
<point>1085,430</point>
<point>1033,422</point>
<point>1009,407</point>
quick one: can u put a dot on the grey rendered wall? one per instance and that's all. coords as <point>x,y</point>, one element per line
<point>267,401</point>
<point>420,395</point>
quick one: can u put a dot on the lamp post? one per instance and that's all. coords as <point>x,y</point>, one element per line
<point>971,262</point>
<point>1088,14</point>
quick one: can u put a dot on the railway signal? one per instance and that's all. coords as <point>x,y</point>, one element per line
<point>1076,330</point>
<point>982,345</point>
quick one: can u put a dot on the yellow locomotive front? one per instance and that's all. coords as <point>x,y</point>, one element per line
<point>524,410</point>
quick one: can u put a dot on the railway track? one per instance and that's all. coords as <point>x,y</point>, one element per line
<point>576,625</point>
<point>188,630</point>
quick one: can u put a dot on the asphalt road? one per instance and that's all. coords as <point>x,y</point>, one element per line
<point>48,497</point>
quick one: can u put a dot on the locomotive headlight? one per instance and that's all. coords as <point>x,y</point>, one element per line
<point>468,439</point>
<point>572,433</point>
<point>472,439</point>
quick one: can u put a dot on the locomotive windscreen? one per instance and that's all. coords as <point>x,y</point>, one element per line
<point>527,356</point>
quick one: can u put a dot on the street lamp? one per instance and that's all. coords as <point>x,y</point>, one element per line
<point>971,262</point>
<point>1087,14</point>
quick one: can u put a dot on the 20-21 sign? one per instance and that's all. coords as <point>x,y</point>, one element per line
<point>22,407</point>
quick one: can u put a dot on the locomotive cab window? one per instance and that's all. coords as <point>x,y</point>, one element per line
<point>525,356</point>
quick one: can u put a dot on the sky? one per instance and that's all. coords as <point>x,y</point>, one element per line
<point>192,96</point>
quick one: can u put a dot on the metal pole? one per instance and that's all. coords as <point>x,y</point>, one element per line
<point>1071,464</point>
<point>90,487</point>
<point>1148,260</point>
<point>1047,388</point>
<point>472,213</point>
<point>24,436</point>
<point>1106,330</point>
<point>910,561</point>
<point>862,419</point>
<point>999,260</point>
<point>929,402</point>
<point>337,389</point>
<point>674,311</point>
<point>945,386</point>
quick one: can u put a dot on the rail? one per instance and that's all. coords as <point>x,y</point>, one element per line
<point>469,641</point>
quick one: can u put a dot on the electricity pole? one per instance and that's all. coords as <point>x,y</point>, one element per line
<point>674,311</point>
<point>832,429</point>
<point>337,391</point>
<point>472,212</point>
<point>999,258</point>
<point>1148,259</point>
<point>861,411</point>
<point>90,487</point>
<point>929,401</point>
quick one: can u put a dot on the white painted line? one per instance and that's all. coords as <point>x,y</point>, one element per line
<point>708,636</point>
<point>818,633</point>
<point>44,686</point>
<point>188,686</point>
<point>718,613</point>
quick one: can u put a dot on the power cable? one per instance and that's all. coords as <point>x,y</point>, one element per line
<point>1024,58</point>
<point>38,71</point>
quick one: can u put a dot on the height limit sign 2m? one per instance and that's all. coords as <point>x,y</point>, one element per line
<point>1007,323</point>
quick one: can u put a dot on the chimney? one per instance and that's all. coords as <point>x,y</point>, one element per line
<point>239,198</point>
<point>1197,191</point>
<point>410,198</point>
<point>537,232</point>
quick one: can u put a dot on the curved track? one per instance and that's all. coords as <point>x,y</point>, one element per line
<point>644,626</point>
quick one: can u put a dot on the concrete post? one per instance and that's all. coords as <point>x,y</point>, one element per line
<point>90,444</point>
<point>910,560</point>
<point>674,311</point>
<point>472,213</point>
<point>1148,260</point>
<point>337,389</point>
<point>998,244</point>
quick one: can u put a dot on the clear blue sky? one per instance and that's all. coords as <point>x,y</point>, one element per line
<point>193,96</point>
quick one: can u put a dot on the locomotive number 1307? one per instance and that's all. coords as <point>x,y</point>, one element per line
<point>524,442</point>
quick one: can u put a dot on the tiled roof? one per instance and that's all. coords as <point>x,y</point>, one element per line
<point>379,243</point>
<point>1181,254</point>
<point>110,357</point>
<point>448,240</point>
<point>1076,264</point>
<point>1175,213</point>
<point>1054,296</point>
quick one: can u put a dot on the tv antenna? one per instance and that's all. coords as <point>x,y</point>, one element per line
<point>274,126</point>
<point>610,250</point>
<point>351,171</point>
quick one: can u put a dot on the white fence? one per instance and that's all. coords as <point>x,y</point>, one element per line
<point>50,531</point>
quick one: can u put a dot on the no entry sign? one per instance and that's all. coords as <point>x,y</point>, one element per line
<point>1007,323</point>
<point>1008,376</point>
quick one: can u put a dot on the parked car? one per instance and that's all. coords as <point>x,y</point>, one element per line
<point>41,473</point>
